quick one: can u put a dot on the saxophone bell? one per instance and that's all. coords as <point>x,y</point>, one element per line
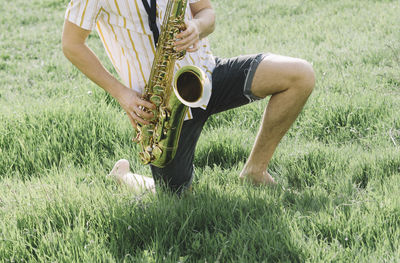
<point>191,86</point>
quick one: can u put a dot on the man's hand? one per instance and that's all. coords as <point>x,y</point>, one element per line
<point>137,109</point>
<point>200,26</point>
<point>189,38</point>
<point>85,60</point>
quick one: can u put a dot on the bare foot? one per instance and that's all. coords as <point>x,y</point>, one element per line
<point>120,168</point>
<point>257,179</point>
<point>123,176</point>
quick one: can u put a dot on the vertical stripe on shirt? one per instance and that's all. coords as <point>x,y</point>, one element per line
<point>109,23</point>
<point>79,8</point>
<point>140,16</point>
<point>143,47</point>
<point>129,74</point>
<point>105,44</point>
<point>137,56</point>
<point>144,30</point>
<point>119,12</point>
<point>84,11</point>
<point>69,9</point>
<point>98,13</point>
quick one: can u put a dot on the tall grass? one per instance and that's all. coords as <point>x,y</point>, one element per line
<point>338,168</point>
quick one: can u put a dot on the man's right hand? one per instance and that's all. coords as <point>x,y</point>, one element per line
<point>75,49</point>
<point>137,109</point>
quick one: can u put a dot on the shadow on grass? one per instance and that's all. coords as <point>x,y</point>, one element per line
<point>208,225</point>
<point>225,154</point>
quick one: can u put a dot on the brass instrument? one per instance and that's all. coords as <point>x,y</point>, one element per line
<point>159,139</point>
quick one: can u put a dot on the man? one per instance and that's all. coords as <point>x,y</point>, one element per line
<point>123,26</point>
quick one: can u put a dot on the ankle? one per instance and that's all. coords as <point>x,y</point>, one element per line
<point>259,178</point>
<point>254,169</point>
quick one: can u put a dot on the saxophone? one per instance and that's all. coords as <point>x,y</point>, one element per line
<point>170,94</point>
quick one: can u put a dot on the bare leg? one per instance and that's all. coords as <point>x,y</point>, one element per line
<point>290,81</point>
<point>136,182</point>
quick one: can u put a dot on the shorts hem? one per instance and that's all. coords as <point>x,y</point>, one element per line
<point>250,76</point>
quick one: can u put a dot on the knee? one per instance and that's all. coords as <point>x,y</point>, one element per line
<point>303,78</point>
<point>280,73</point>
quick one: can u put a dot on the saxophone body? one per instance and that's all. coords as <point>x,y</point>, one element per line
<point>158,140</point>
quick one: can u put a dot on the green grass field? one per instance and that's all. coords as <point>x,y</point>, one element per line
<point>338,168</point>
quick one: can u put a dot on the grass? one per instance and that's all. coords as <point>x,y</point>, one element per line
<point>338,168</point>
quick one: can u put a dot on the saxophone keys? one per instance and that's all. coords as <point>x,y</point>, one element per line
<point>180,55</point>
<point>158,133</point>
<point>149,149</point>
<point>167,114</point>
<point>159,90</point>
<point>145,157</point>
<point>157,100</point>
<point>157,152</point>
<point>164,114</point>
<point>137,138</point>
<point>167,126</point>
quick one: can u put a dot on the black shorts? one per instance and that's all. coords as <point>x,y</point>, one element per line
<point>231,88</point>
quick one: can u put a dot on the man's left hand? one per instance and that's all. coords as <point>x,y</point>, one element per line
<point>189,38</point>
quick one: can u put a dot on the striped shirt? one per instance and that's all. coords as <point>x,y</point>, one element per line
<point>124,29</point>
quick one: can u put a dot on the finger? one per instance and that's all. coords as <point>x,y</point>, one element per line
<point>134,124</point>
<point>140,112</point>
<point>189,30</point>
<point>194,48</point>
<point>138,119</point>
<point>187,46</point>
<point>142,102</point>
<point>185,39</point>
<point>185,33</point>
<point>146,104</point>
<point>188,42</point>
